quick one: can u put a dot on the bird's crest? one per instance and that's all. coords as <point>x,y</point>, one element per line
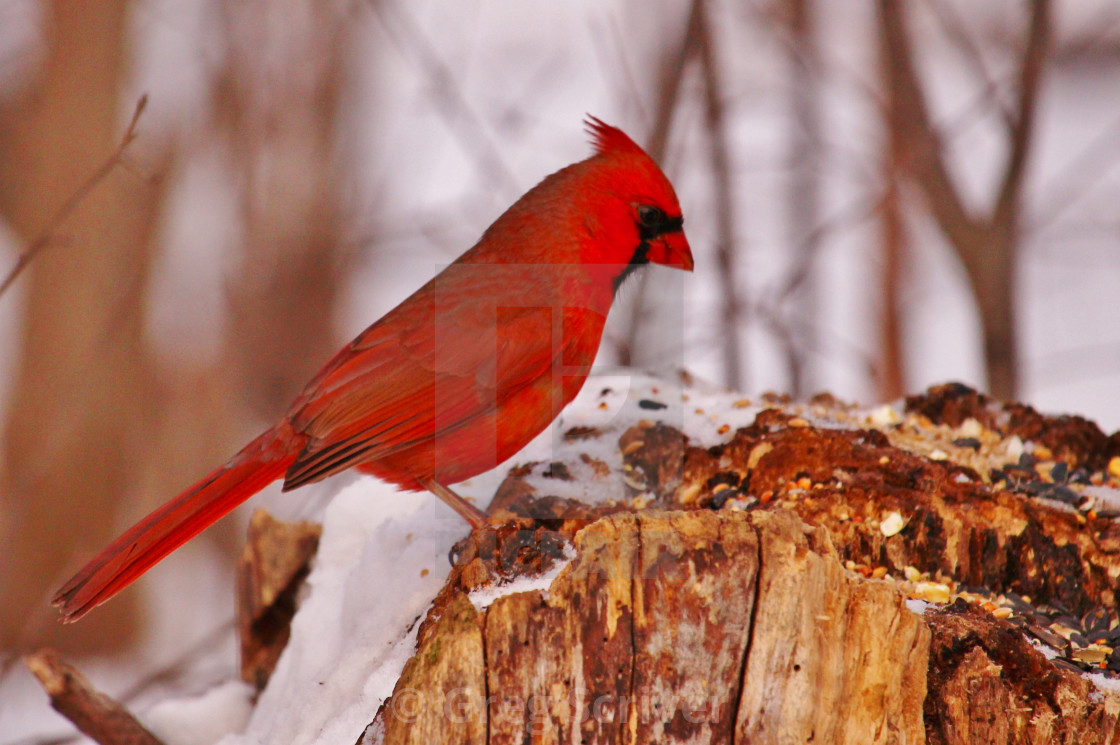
<point>607,139</point>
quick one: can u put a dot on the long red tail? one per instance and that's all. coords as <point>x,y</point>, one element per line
<point>259,463</point>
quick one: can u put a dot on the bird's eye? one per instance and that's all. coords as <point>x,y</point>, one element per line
<point>651,216</point>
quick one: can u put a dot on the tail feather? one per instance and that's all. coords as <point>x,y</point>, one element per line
<point>143,545</point>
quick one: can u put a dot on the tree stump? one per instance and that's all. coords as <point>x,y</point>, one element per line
<point>675,627</point>
<point>769,590</point>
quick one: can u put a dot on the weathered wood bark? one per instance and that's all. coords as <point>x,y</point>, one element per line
<point>673,627</point>
<point>274,563</point>
<point>994,687</point>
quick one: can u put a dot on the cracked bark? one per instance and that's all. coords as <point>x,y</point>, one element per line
<point>651,634</point>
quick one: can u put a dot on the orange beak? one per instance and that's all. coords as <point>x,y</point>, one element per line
<point>671,249</point>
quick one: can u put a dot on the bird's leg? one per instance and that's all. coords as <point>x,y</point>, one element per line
<point>466,510</point>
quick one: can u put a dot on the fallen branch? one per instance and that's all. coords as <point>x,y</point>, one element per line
<point>97,715</point>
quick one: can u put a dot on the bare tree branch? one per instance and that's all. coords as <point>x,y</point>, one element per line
<point>1080,173</point>
<point>669,86</point>
<point>955,28</point>
<point>611,46</point>
<point>922,145</point>
<point>461,118</point>
<point>1030,76</point>
<point>986,245</point>
<point>732,304</point>
<point>669,82</point>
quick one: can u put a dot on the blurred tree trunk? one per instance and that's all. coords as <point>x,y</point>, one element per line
<point>697,43</point>
<point>719,149</point>
<point>986,244</point>
<point>274,105</point>
<point>803,203</point>
<point>83,379</point>
<point>277,104</point>
<point>93,439</point>
<point>891,365</point>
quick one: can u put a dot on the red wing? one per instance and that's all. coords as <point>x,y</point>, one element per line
<point>420,371</point>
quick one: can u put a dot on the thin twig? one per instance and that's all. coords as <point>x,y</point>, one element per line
<point>461,118</point>
<point>956,30</point>
<point>610,46</point>
<point>68,207</point>
<point>172,672</point>
<point>102,718</point>
<point>725,225</point>
<point>669,89</point>
<point>669,84</point>
<point>1079,174</point>
<point>1035,53</point>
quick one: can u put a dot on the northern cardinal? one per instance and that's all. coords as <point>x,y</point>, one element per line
<point>458,377</point>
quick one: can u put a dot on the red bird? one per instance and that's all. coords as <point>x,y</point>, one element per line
<point>458,377</point>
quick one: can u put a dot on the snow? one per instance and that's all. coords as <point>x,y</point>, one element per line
<point>356,624</point>
<point>1105,494</point>
<point>1047,651</point>
<point>202,719</point>
<point>884,415</point>
<point>1103,683</point>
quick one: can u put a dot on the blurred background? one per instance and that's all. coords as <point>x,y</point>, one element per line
<point>880,195</point>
